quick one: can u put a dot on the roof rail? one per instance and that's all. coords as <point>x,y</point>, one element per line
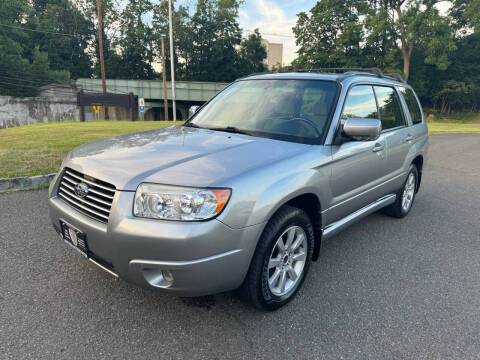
<point>373,71</point>
<point>395,76</point>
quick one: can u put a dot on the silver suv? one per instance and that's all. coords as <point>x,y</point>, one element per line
<point>243,193</point>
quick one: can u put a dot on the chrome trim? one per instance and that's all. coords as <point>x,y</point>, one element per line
<point>334,228</point>
<point>181,263</point>
<point>87,210</point>
<point>97,204</point>
<point>90,190</point>
<point>84,200</point>
<point>103,267</point>
<point>89,182</point>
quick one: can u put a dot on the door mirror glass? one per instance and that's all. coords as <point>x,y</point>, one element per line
<point>192,110</point>
<point>362,129</point>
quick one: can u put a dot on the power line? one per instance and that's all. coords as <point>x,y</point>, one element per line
<point>42,31</point>
<point>36,82</point>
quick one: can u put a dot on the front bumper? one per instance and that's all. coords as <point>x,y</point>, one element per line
<point>203,257</point>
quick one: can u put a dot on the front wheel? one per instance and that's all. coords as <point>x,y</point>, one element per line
<point>405,196</point>
<point>281,260</point>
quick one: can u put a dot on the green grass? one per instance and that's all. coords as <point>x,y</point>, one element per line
<point>39,149</point>
<point>449,126</point>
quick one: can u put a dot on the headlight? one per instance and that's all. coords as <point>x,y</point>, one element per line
<point>178,203</point>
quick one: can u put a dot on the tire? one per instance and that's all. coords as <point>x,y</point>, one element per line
<point>269,287</point>
<point>397,209</point>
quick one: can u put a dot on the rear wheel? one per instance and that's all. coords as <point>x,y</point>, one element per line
<point>281,260</point>
<point>405,196</point>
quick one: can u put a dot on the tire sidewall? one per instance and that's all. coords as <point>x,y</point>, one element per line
<point>298,218</point>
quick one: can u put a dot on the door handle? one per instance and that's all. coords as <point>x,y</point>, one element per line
<point>409,138</point>
<point>378,147</point>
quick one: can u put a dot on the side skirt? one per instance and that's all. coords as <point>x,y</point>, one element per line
<point>339,225</point>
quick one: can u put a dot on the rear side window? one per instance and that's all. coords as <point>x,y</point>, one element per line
<point>389,107</point>
<point>412,104</point>
<point>360,102</point>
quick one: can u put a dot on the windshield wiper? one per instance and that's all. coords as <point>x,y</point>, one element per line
<point>189,124</point>
<point>231,129</point>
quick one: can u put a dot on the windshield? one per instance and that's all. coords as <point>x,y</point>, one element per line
<point>292,110</point>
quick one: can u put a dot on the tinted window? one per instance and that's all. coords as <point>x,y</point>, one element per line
<point>412,104</point>
<point>360,102</point>
<point>389,107</point>
<point>293,110</point>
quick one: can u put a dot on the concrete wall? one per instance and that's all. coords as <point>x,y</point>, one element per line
<point>23,111</point>
<point>59,103</point>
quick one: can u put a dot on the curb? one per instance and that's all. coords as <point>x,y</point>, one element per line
<point>25,182</point>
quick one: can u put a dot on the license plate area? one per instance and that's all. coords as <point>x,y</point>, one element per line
<point>75,238</point>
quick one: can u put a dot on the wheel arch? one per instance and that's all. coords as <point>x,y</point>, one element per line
<point>418,162</point>
<point>310,203</point>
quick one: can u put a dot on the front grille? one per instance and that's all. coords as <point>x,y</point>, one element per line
<point>96,204</point>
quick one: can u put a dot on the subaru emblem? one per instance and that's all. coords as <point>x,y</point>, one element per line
<point>81,190</point>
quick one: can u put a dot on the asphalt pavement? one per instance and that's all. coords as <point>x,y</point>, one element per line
<point>382,289</point>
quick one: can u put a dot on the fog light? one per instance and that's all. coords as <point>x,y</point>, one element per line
<point>167,275</point>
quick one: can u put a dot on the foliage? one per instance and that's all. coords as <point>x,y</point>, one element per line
<point>435,52</point>
<point>64,52</point>
<point>135,40</point>
<point>61,36</point>
<point>23,68</point>
<point>252,53</point>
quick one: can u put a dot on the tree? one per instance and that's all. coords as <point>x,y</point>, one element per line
<point>417,23</point>
<point>330,35</point>
<point>216,35</point>
<point>465,15</point>
<point>252,54</point>
<point>22,69</point>
<point>182,37</point>
<point>135,40</point>
<point>65,52</point>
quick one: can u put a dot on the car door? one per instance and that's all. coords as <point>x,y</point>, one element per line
<point>397,135</point>
<point>358,166</point>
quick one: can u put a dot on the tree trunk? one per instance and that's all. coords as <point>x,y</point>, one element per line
<point>406,47</point>
<point>406,53</point>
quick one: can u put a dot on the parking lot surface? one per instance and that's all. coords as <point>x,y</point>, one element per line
<point>382,289</point>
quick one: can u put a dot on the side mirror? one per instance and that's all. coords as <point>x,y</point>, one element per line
<point>192,110</point>
<point>361,129</point>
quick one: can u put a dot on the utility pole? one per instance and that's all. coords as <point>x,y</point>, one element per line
<point>100,48</point>
<point>172,69</point>
<point>164,76</point>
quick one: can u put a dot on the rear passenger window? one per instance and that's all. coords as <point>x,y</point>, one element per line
<point>412,104</point>
<point>389,107</point>
<point>360,102</point>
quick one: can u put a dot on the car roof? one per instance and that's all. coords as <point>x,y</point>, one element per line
<point>349,76</point>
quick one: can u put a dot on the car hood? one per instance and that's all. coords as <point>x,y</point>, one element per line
<point>177,155</point>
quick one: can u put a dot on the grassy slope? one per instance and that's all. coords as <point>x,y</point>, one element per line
<point>454,122</point>
<point>39,149</point>
<point>441,126</point>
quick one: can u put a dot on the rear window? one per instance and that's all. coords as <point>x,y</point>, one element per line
<point>412,104</point>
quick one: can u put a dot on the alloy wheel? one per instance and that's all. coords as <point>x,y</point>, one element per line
<point>408,192</point>
<point>287,260</point>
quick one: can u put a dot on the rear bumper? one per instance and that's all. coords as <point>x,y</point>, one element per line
<point>203,257</point>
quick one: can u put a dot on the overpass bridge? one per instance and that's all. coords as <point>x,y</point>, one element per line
<point>187,93</point>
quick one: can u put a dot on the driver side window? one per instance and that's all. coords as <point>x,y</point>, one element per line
<point>360,102</point>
